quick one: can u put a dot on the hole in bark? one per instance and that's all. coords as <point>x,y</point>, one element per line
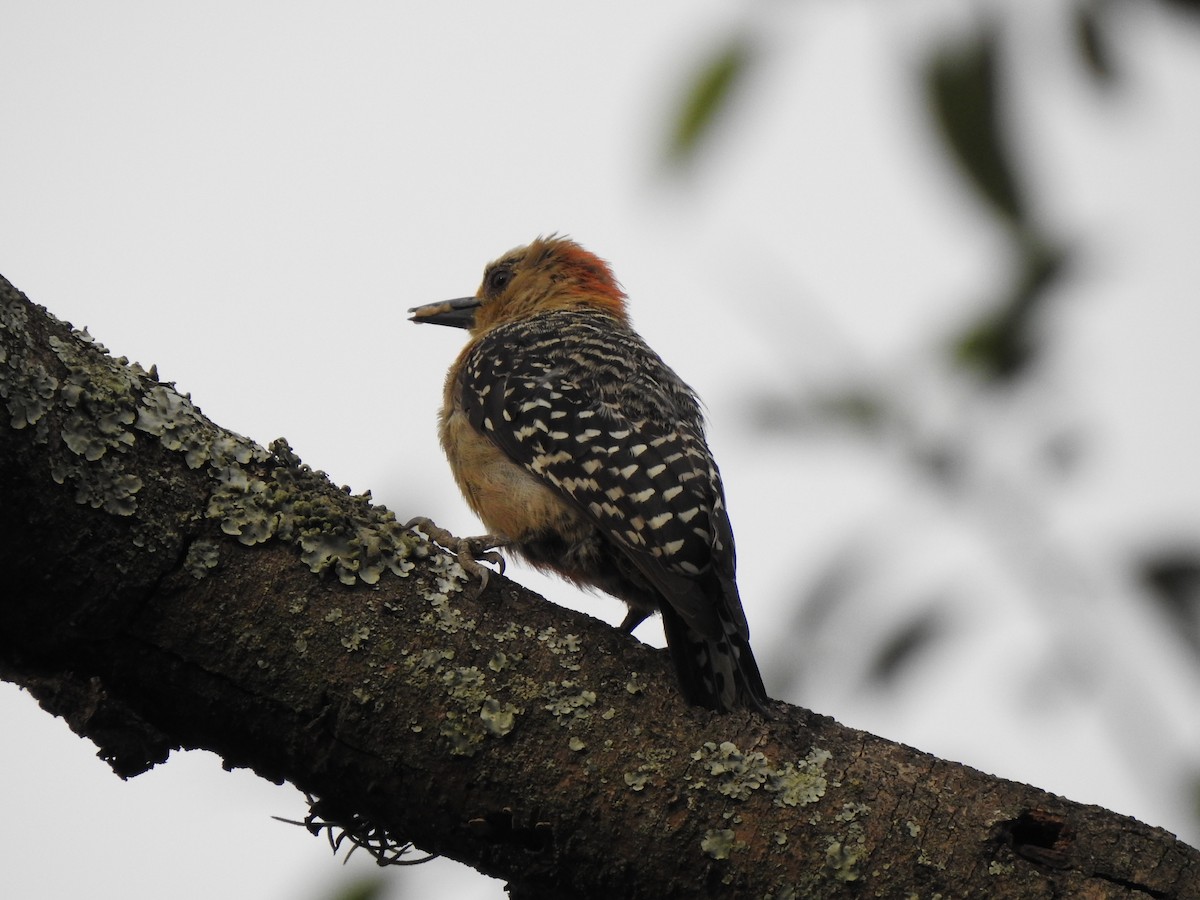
<point>1035,828</point>
<point>1040,836</point>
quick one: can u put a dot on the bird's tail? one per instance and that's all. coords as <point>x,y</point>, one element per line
<point>716,672</point>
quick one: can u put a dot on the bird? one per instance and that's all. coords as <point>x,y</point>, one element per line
<point>584,453</point>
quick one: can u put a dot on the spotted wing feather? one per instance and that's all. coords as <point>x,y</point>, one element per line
<point>582,403</point>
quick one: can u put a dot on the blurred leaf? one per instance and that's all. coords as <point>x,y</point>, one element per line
<point>709,94</point>
<point>1093,43</point>
<point>835,583</point>
<point>1173,577</point>
<point>1003,343</point>
<point>961,85</point>
<point>905,646</point>
<point>862,408</point>
<point>371,887</point>
<point>1191,6</point>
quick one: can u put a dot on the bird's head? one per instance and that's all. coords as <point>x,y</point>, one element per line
<point>552,273</point>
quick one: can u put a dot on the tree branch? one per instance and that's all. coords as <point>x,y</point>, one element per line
<point>175,585</point>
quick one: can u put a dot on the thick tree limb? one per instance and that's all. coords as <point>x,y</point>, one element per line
<point>161,594</point>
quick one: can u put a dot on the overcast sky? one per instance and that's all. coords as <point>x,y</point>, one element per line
<point>250,195</point>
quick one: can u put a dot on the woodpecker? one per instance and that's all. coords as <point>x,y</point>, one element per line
<point>583,452</point>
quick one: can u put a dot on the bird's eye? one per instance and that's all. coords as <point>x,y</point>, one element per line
<point>498,279</point>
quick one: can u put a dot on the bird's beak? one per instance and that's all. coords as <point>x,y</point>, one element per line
<point>458,313</point>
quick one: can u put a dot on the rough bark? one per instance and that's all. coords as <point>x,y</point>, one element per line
<point>170,584</point>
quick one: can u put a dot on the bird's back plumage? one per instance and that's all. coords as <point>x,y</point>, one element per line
<point>578,400</point>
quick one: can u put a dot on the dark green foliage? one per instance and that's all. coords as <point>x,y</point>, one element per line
<point>963,93</point>
<point>707,97</point>
<point>1003,342</point>
<point>1173,577</point>
<point>1091,34</point>
<point>362,889</point>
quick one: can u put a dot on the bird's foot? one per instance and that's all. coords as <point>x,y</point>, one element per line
<point>635,617</point>
<point>469,551</point>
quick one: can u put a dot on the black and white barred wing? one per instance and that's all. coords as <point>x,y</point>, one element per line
<point>596,415</point>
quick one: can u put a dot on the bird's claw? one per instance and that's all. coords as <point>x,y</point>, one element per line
<point>468,551</point>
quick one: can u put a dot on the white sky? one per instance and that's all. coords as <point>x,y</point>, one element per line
<point>251,194</point>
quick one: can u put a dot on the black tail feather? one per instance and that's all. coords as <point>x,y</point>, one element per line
<point>717,673</point>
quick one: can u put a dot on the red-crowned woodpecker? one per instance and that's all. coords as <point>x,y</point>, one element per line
<point>582,451</point>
